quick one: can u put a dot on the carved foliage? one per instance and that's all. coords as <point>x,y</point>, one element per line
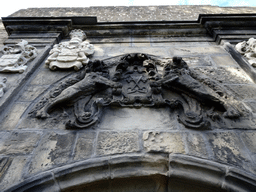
<point>134,81</point>
<point>15,58</point>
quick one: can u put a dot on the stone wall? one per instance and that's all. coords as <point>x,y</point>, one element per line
<point>130,148</point>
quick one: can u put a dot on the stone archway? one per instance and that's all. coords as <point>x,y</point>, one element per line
<point>156,173</point>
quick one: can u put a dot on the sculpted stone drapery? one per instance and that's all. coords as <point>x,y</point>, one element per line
<point>248,50</point>
<point>72,53</point>
<point>2,86</point>
<point>136,82</point>
<point>15,58</point>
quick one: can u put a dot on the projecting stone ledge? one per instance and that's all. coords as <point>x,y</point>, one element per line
<point>135,13</point>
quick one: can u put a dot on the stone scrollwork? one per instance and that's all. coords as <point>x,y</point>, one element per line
<point>71,54</point>
<point>135,81</point>
<point>2,86</point>
<point>15,58</point>
<point>248,50</point>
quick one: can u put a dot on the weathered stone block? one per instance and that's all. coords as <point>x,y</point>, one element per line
<point>138,166</point>
<point>196,50</point>
<point>249,139</point>
<point>197,61</point>
<point>163,142</point>
<point>13,118</point>
<point>227,148</point>
<point>227,75</point>
<point>84,145</point>
<point>14,173</point>
<point>31,92</point>
<point>55,122</point>
<point>196,145</point>
<point>243,91</point>
<point>224,60</point>
<point>48,77</point>
<point>142,118</point>
<point>20,143</point>
<point>54,149</point>
<point>117,142</point>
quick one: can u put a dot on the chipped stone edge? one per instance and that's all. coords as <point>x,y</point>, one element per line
<point>176,166</point>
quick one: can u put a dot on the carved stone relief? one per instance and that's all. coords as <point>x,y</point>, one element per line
<point>2,86</point>
<point>135,81</point>
<point>248,50</point>
<point>71,54</point>
<point>15,58</point>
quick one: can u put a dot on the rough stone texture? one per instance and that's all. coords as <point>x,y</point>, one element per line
<point>11,121</point>
<point>243,91</point>
<point>226,75</point>
<point>130,118</point>
<point>84,145</point>
<point>31,92</point>
<point>163,142</point>
<point>196,145</point>
<point>249,139</point>
<point>117,142</point>
<point>53,149</point>
<point>224,61</point>
<point>228,148</point>
<point>134,13</point>
<point>52,77</point>
<point>20,143</point>
<point>15,172</point>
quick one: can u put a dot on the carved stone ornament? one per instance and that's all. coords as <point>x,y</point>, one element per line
<point>71,54</point>
<point>2,86</point>
<point>135,81</point>
<point>15,58</point>
<point>248,50</point>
